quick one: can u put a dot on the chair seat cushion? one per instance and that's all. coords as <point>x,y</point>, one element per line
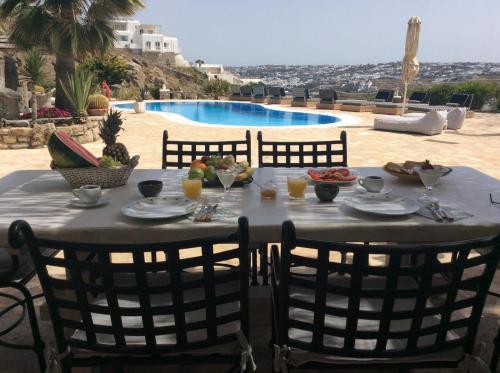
<point>5,265</point>
<point>365,325</point>
<point>165,299</point>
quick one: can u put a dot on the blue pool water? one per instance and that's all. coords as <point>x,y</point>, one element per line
<point>235,113</point>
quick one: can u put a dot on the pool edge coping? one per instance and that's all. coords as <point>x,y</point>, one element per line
<point>345,120</point>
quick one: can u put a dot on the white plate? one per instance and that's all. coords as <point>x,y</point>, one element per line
<point>159,208</point>
<point>75,202</point>
<point>382,204</point>
<point>385,190</point>
<point>351,171</point>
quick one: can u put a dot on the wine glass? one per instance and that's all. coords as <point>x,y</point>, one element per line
<point>227,178</point>
<point>429,178</point>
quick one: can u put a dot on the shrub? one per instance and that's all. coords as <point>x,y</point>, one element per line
<point>3,111</point>
<point>125,93</point>
<point>52,112</point>
<point>110,68</point>
<point>482,92</point>
<point>217,87</point>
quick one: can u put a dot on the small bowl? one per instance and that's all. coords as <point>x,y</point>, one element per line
<point>326,192</point>
<point>150,188</point>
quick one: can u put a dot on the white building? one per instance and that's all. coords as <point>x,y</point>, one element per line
<point>131,34</point>
<point>216,71</point>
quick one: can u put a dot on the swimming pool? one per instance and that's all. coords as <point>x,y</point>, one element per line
<point>235,114</point>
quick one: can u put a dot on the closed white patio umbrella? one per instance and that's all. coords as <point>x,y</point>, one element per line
<point>410,66</point>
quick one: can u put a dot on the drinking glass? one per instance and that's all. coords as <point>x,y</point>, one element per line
<point>429,178</point>
<point>297,186</point>
<point>192,187</point>
<point>227,178</point>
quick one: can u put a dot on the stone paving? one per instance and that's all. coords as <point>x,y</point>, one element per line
<point>476,145</point>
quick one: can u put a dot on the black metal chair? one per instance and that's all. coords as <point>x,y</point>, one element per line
<point>12,278</point>
<point>187,151</point>
<point>185,309</point>
<point>384,311</point>
<point>328,153</point>
<point>325,153</point>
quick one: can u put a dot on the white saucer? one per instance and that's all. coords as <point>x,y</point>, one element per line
<point>75,202</point>
<point>385,190</point>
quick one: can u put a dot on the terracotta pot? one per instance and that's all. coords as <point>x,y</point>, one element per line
<point>140,107</point>
<point>97,112</point>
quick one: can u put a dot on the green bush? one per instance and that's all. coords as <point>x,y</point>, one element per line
<point>217,87</point>
<point>109,68</point>
<point>125,93</point>
<point>482,92</point>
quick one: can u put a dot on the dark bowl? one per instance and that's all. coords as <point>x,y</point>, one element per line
<point>326,192</point>
<point>150,188</point>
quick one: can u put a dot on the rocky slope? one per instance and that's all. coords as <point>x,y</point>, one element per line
<point>152,70</point>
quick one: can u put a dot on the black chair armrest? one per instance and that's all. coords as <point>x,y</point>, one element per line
<point>275,268</point>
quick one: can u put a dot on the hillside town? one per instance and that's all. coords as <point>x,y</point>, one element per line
<point>366,77</point>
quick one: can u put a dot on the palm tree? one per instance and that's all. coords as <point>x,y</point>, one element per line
<point>68,28</point>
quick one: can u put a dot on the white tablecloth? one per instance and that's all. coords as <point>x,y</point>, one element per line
<point>41,198</point>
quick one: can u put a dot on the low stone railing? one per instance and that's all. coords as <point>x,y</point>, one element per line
<point>21,134</point>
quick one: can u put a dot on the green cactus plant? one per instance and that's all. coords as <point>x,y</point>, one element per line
<point>98,101</point>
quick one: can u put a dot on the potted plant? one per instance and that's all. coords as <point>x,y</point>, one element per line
<point>140,105</point>
<point>98,105</point>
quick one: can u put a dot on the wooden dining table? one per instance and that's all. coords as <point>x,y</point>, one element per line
<point>41,198</point>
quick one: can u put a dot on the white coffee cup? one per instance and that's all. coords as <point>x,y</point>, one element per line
<point>88,193</point>
<point>372,184</point>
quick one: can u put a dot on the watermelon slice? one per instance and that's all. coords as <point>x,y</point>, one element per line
<point>67,153</point>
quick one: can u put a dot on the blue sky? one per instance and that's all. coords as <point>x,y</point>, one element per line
<point>242,32</point>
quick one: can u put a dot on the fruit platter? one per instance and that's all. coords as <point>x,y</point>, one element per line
<point>80,167</point>
<point>335,175</point>
<point>206,169</point>
<point>406,170</point>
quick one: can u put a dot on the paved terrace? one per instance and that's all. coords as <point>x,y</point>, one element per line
<point>476,145</point>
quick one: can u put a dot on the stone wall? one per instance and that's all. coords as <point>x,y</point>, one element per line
<point>23,135</point>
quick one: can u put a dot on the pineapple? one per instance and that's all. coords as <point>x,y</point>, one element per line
<point>109,129</point>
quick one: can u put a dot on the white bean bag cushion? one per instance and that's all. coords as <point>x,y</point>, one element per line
<point>456,118</point>
<point>431,123</point>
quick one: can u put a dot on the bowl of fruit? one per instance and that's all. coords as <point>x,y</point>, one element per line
<point>206,169</point>
<point>80,167</point>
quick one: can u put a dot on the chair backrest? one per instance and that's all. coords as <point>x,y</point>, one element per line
<point>300,94</point>
<point>420,97</point>
<point>461,100</point>
<point>246,91</point>
<point>276,92</point>
<point>328,95</point>
<point>259,91</point>
<point>180,154</point>
<point>386,95</point>
<point>381,306</point>
<point>325,153</point>
<point>235,90</point>
<point>115,300</point>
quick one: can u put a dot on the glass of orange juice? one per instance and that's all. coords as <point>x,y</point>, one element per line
<point>192,187</point>
<point>297,186</point>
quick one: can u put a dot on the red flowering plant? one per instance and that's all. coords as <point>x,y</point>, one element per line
<point>52,112</point>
